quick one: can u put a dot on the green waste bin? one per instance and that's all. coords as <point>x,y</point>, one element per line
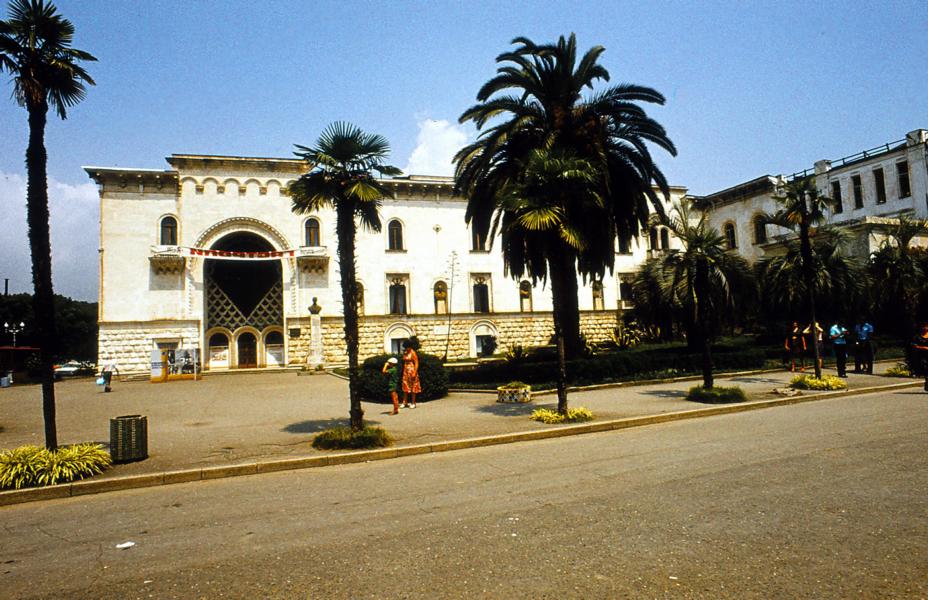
<point>129,438</point>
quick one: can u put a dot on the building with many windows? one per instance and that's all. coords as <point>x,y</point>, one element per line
<point>871,189</point>
<point>208,254</point>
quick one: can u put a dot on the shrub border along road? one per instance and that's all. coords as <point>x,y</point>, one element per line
<point>90,486</point>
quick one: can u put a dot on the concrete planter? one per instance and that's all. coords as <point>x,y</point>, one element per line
<point>514,395</point>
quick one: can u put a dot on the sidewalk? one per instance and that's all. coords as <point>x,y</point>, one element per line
<point>257,418</point>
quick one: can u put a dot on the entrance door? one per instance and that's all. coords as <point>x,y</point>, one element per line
<point>247,351</point>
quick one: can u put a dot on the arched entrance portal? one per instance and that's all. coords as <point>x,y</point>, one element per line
<point>244,295</point>
<point>247,347</point>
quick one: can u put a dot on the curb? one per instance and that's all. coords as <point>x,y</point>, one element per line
<point>637,382</point>
<point>90,486</point>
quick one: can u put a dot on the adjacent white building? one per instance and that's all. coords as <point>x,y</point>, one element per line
<point>873,189</point>
<point>208,254</point>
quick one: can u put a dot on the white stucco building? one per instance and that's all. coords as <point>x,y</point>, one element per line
<point>159,289</point>
<point>874,187</point>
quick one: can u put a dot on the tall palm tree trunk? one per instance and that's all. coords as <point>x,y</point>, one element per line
<point>560,295</point>
<point>346,263</point>
<point>563,268</point>
<point>701,289</point>
<point>805,247</point>
<point>43,298</point>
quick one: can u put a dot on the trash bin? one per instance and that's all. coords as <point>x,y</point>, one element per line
<point>129,438</point>
<point>4,381</point>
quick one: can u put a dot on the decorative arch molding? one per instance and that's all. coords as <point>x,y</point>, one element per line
<point>235,224</point>
<point>248,224</point>
<point>481,327</point>
<point>394,331</point>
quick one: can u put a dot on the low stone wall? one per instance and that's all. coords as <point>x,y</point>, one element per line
<point>129,345</point>
<point>527,329</point>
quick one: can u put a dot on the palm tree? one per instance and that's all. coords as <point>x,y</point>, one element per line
<point>837,286</point>
<point>538,216</point>
<point>802,209</point>
<point>898,276</point>
<point>35,48</point>
<point>343,160</point>
<point>547,111</point>
<point>706,279</point>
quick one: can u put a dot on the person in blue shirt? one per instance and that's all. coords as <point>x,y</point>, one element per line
<point>863,347</point>
<point>838,336</point>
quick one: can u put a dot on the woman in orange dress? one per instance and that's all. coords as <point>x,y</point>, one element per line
<point>411,385</point>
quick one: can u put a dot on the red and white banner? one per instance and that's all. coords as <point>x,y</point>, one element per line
<point>235,254</point>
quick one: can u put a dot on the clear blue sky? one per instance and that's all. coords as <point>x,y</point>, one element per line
<point>751,88</point>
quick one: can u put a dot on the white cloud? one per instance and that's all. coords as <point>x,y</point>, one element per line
<point>74,232</point>
<point>436,145</point>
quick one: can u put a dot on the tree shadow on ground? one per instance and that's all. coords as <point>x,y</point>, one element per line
<point>317,425</point>
<point>754,380</point>
<point>666,393</point>
<point>507,409</point>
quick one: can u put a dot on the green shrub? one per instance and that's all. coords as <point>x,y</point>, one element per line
<point>900,370</point>
<point>637,363</point>
<point>627,336</point>
<point>552,417</point>
<point>489,346</point>
<point>374,385</point>
<point>809,382</point>
<point>516,354</point>
<point>345,438</point>
<point>514,385</point>
<point>716,395</point>
<point>33,466</point>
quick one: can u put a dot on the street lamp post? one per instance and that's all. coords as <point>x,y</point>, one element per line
<point>14,329</point>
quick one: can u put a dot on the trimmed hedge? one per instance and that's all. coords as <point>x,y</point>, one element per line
<point>615,366</point>
<point>716,395</point>
<point>374,385</point>
<point>345,438</point>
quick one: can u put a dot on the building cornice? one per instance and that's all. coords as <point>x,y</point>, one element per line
<point>293,166</point>
<point>162,180</point>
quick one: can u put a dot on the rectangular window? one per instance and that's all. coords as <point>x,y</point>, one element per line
<point>625,290</point>
<point>624,246</point>
<point>838,205</point>
<point>398,295</point>
<point>879,183</point>
<point>858,191</point>
<point>478,244</point>
<point>481,289</point>
<point>902,175</point>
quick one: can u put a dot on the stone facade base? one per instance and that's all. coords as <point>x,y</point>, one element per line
<point>129,345</point>
<point>526,329</point>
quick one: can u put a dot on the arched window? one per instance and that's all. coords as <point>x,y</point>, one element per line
<point>395,235</point>
<point>665,238</point>
<point>525,296</point>
<point>729,231</point>
<point>168,235</point>
<point>312,233</point>
<point>440,292</point>
<point>760,230</point>
<point>653,240</point>
<point>598,301</point>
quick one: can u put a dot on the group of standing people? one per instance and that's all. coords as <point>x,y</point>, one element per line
<point>405,378</point>
<point>799,348</point>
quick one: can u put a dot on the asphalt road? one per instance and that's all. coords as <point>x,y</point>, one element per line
<point>821,500</point>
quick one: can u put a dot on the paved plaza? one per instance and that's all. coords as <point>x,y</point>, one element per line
<point>241,418</point>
